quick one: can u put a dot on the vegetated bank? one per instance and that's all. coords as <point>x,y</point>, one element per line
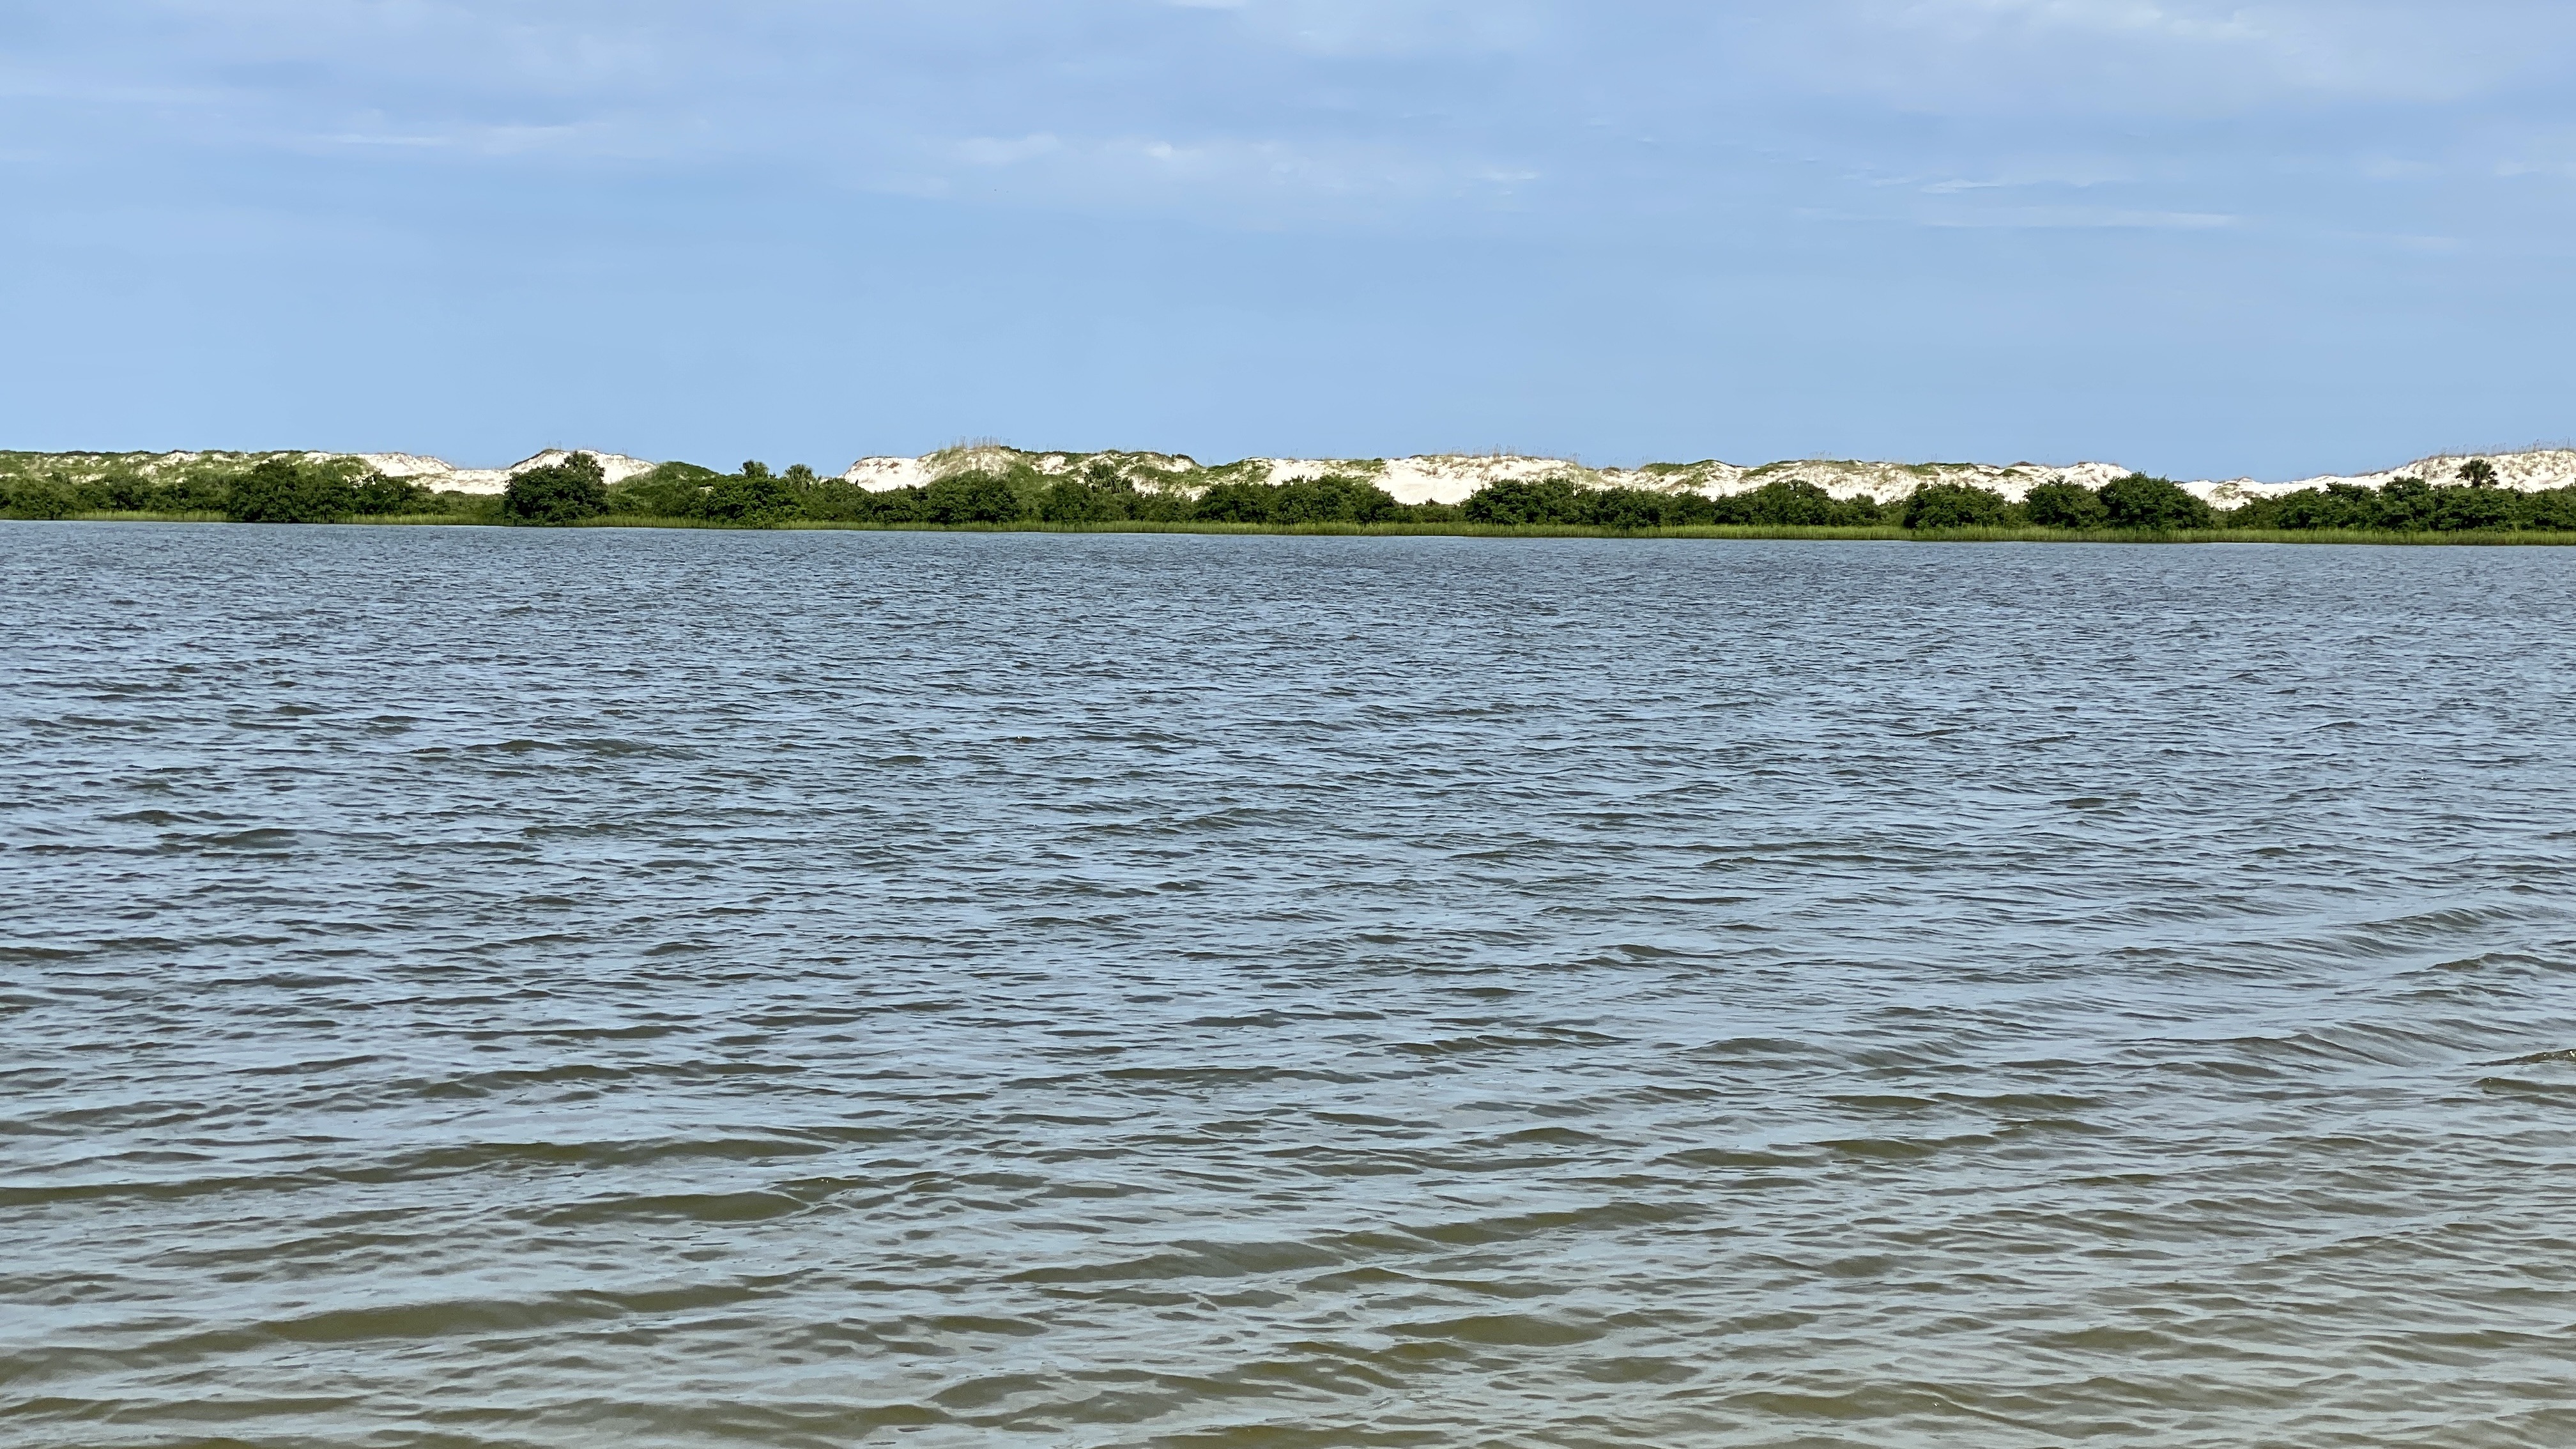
<point>295,488</point>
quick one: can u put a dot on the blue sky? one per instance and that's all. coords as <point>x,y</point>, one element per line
<point>2199,238</point>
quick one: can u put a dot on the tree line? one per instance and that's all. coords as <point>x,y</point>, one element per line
<point>297,490</point>
<point>266,490</point>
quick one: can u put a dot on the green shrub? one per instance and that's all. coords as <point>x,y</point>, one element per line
<point>40,498</point>
<point>975,497</point>
<point>1956,505</point>
<point>669,490</point>
<point>1071,500</point>
<point>837,500</point>
<point>1332,498</point>
<point>754,497</point>
<point>1797,503</point>
<point>2471,508</point>
<point>284,490</point>
<point>2406,505</point>
<point>1642,508</point>
<point>2337,505</point>
<point>376,495</point>
<point>561,493</point>
<point>2141,502</point>
<point>2550,508</point>
<point>2061,504</point>
<point>1233,502</point>
<point>1525,501</point>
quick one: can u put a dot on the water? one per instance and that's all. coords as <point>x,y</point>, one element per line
<point>492,988</point>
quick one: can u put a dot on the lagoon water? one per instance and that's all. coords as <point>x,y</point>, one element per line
<point>496,988</point>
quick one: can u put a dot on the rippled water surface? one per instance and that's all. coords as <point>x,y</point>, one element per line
<point>496,988</point>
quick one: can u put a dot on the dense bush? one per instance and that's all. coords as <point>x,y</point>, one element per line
<point>754,497</point>
<point>565,492</point>
<point>40,498</point>
<point>973,497</point>
<point>669,490</point>
<point>302,488</point>
<point>2141,502</point>
<point>835,500</point>
<point>2412,505</point>
<point>1956,505</point>
<point>1796,503</point>
<point>41,485</point>
<point>283,490</point>
<point>1332,499</point>
<point>1525,501</point>
<point>2063,505</point>
<point>1233,502</point>
<point>1073,500</point>
<point>1102,494</point>
<point>377,496</point>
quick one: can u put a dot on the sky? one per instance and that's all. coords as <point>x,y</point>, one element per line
<point>2201,239</point>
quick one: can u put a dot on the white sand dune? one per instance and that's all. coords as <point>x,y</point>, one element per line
<point>446,477</point>
<point>1450,478</point>
<point>434,473</point>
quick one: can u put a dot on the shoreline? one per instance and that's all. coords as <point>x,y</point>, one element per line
<point>1873,533</point>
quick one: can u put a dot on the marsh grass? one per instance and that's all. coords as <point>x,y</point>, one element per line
<point>1875,533</point>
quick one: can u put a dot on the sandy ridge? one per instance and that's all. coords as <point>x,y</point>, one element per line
<point>1451,477</point>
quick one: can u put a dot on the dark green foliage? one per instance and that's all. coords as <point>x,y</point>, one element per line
<point>1073,500</point>
<point>1100,493</point>
<point>836,500</point>
<point>1956,505</point>
<point>1332,499</point>
<point>2411,505</point>
<point>1520,502</point>
<point>40,498</point>
<point>2476,507</point>
<point>2553,509</point>
<point>270,488</point>
<point>1785,503</point>
<point>1641,508</point>
<point>752,498</point>
<point>565,492</point>
<point>282,490</point>
<point>377,496</point>
<point>1779,503</point>
<point>2064,505</point>
<point>1234,502</point>
<point>1796,503</point>
<point>2337,505</point>
<point>1329,499</point>
<point>2406,504</point>
<point>289,487</point>
<point>973,497</point>
<point>670,490</point>
<point>2141,502</point>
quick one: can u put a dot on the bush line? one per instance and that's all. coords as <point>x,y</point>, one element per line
<point>1099,498</point>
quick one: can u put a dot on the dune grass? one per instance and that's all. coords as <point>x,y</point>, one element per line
<point>1875,533</point>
